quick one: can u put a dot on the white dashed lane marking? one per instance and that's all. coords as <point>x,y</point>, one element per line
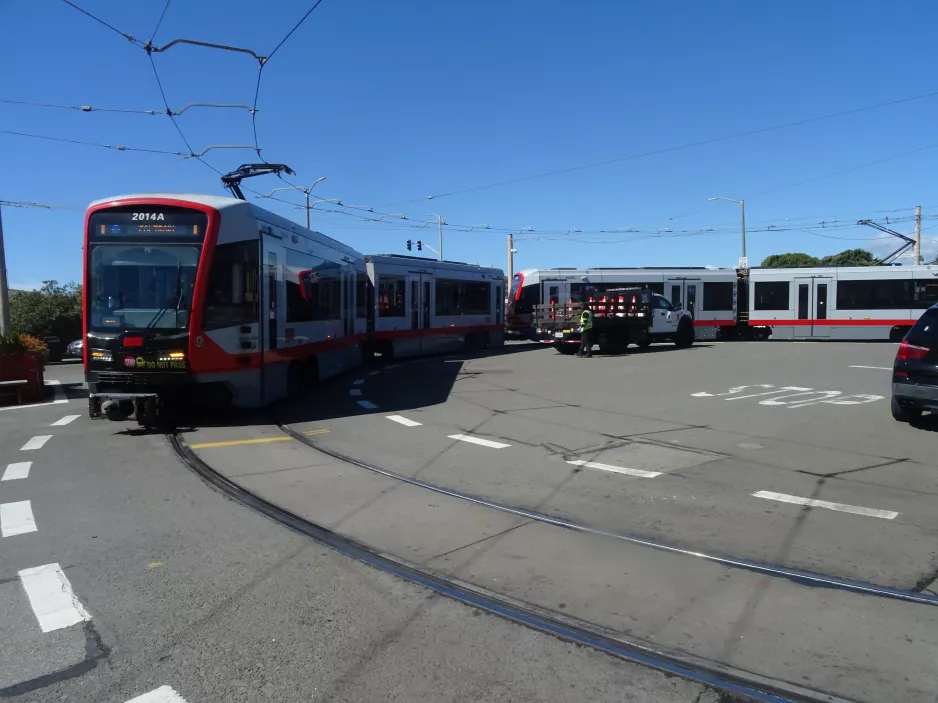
<point>878,368</point>
<point>65,420</point>
<point>373,373</point>
<point>354,391</point>
<point>477,440</point>
<point>163,694</point>
<point>15,471</point>
<point>16,518</point>
<point>401,420</point>
<point>36,442</point>
<point>358,382</point>
<point>367,405</point>
<point>841,507</point>
<point>52,598</point>
<point>641,473</point>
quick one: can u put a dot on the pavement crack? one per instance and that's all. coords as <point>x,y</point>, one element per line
<point>479,541</point>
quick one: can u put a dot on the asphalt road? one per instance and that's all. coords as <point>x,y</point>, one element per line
<point>782,453</point>
<point>123,575</point>
<point>729,443</point>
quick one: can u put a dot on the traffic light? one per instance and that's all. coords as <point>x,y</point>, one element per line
<point>410,244</point>
<point>419,245</point>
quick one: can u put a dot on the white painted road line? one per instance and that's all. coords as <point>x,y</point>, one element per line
<point>373,373</point>
<point>641,473</point>
<point>36,442</point>
<point>477,440</point>
<point>65,420</point>
<point>842,507</point>
<point>54,602</point>
<point>878,368</point>
<point>163,694</point>
<point>354,391</point>
<point>16,518</point>
<point>18,470</point>
<point>400,419</point>
<point>358,382</point>
<point>367,405</point>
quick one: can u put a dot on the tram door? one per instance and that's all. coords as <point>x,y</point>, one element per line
<point>419,295</point>
<point>812,304</point>
<point>273,310</point>
<point>683,292</point>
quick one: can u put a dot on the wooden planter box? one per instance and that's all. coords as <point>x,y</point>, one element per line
<point>19,366</point>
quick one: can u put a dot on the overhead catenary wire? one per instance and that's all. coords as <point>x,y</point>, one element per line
<point>670,149</point>
<point>260,74</point>
<point>160,21</point>
<point>116,147</point>
<point>128,37</point>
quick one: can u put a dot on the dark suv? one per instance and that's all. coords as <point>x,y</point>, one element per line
<point>915,371</point>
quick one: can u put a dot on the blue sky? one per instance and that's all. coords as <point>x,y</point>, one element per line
<point>395,101</point>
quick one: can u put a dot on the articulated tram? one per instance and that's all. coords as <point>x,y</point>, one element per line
<point>849,303</point>
<point>205,298</point>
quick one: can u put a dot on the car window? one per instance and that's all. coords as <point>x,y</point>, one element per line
<point>925,331</point>
<point>662,303</point>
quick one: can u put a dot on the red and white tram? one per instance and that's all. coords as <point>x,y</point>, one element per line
<point>849,303</point>
<point>199,297</point>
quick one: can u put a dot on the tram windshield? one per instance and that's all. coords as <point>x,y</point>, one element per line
<point>134,286</point>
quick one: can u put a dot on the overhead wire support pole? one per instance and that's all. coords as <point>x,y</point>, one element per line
<point>440,222</point>
<point>5,325</point>
<point>917,250</point>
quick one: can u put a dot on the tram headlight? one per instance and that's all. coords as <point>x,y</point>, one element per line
<point>172,356</point>
<point>101,355</point>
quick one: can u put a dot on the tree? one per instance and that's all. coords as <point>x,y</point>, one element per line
<point>790,261</point>
<point>850,257</point>
<point>54,309</point>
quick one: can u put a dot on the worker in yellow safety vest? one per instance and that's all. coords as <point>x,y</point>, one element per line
<point>586,335</point>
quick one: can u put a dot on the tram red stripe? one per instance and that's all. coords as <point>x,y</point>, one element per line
<point>908,322</point>
<point>434,331</point>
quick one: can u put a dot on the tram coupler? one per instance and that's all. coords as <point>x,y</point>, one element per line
<point>120,406</point>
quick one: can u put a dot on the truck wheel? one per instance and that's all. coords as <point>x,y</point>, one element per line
<point>644,344</point>
<point>685,335</point>
<point>94,408</point>
<point>566,349</point>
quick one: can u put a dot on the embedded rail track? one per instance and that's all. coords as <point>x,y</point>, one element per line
<point>732,684</point>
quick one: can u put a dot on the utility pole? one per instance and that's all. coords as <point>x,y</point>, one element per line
<point>5,325</point>
<point>511,258</point>
<point>917,249</point>
<point>440,222</point>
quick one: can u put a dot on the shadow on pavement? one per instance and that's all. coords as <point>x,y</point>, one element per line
<point>417,382</point>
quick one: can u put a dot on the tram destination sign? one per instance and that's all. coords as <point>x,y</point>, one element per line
<point>144,221</point>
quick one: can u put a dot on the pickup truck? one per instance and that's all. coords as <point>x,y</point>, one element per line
<point>620,317</point>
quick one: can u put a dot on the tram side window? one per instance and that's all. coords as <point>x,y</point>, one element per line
<point>298,307</point>
<point>462,297</point>
<point>771,295</point>
<point>323,290</point>
<point>390,296</point>
<point>718,296</point>
<point>883,294</point>
<point>233,293</point>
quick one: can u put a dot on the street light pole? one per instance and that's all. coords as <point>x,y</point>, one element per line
<point>742,215</point>
<point>308,191</point>
<point>5,324</point>
<point>440,223</point>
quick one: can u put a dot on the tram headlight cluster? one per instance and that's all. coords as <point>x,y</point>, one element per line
<point>101,355</point>
<point>172,356</point>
